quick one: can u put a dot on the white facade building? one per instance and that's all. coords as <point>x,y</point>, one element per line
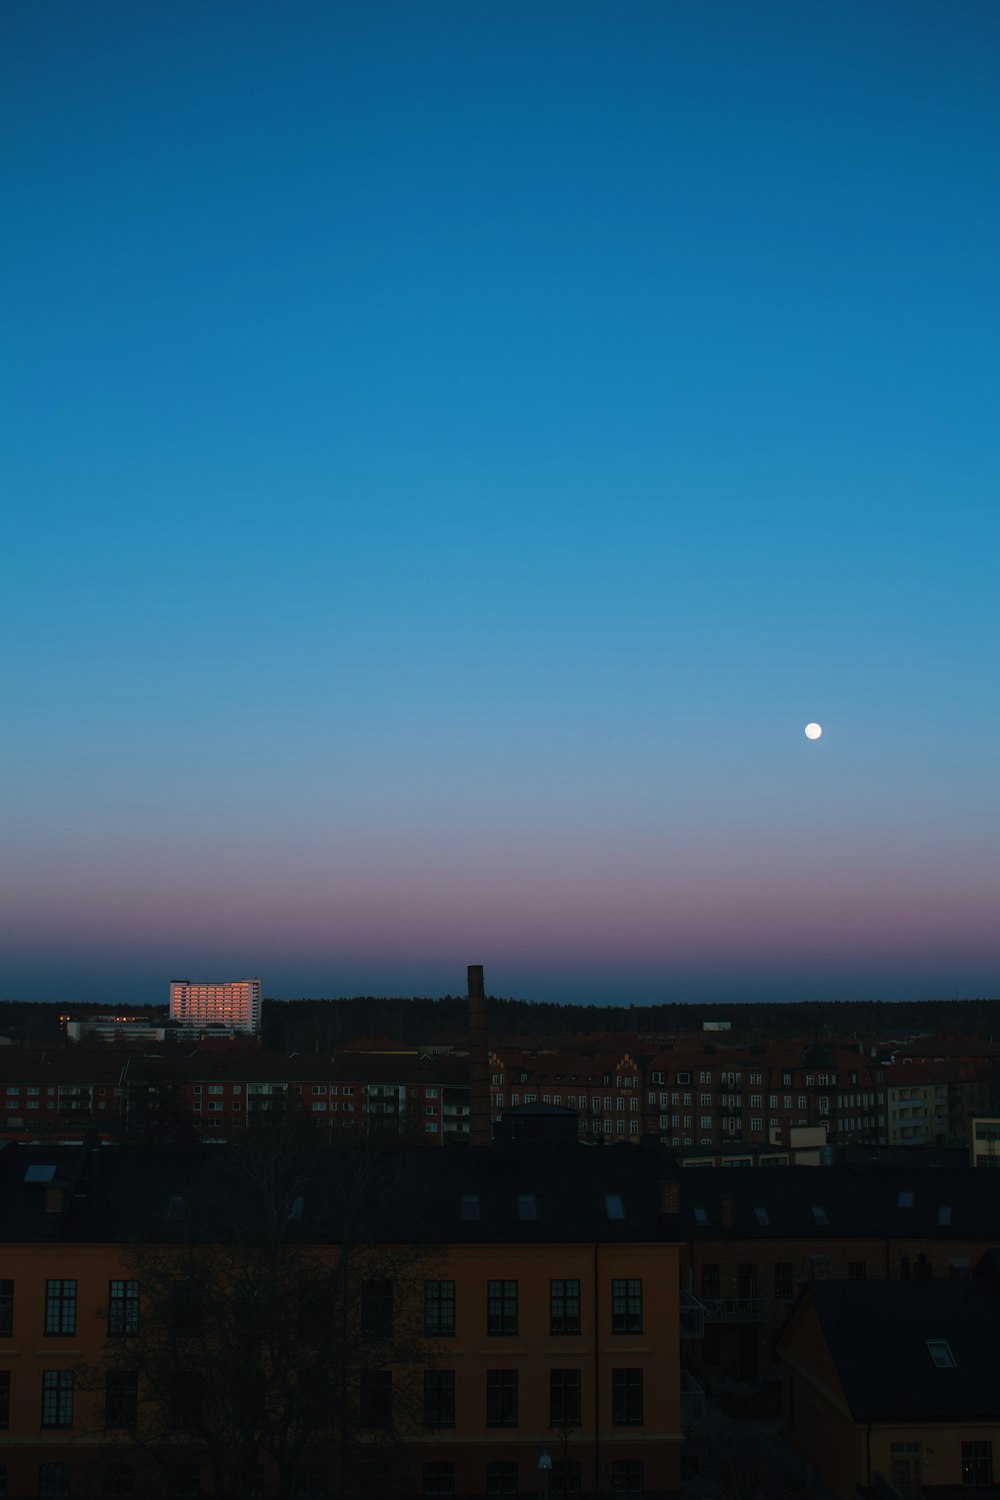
<point>229,1004</point>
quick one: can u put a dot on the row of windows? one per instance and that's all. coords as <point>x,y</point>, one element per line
<point>122,1394</point>
<point>501,1398</point>
<point>58,1389</point>
<point>60,1308</point>
<point>376,1307</point>
<point>502,1306</point>
<point>118,1481</point>
<point>564,1478</point>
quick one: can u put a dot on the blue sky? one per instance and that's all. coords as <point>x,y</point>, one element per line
<point>453,450</point>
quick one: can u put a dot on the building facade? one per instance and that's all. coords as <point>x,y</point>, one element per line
<point>228,1003</point>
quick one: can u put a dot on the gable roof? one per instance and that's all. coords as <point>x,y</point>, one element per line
<point>877,1333</point>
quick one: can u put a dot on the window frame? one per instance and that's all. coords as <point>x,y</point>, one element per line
<point>439,1399</point>
<point>627,1396</point>
<point>565,1398</point>
<point>564,1307</point>
<point>60,1307</point>
<point>626,1304</point>
<point>439,1309</point>
<point>123,1308</point>
<point>501,1398</point>
<point>501,1307</point>
<point>58,1392</point>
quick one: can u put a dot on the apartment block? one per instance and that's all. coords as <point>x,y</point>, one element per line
<point>234,1003</point>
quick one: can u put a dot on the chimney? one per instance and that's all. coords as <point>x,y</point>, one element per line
<point>670,1197</point>
<point>55,1199</point>
<point>480,1110</point>
<point>727,1213</point>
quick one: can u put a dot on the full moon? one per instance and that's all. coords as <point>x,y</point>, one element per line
<point>813,731</point>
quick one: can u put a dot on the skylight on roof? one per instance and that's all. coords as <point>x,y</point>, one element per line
<point>701,1218</point>
<point>760,1214</point>
<point>470,1208</point>
<point>905,1199</point>
<point>527,1206</point>
<point>940,1353</point>
<point>39,1174</point>
<point>944,1215</point>
<point>614,1206</point>
<point>819,1214</point>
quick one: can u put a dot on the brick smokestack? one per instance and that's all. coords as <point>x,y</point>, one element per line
<point>480,1111</point>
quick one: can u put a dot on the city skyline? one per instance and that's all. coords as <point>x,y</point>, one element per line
<point>455,451</point>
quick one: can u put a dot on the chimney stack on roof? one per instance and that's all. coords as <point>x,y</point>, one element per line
<point>480,1110</point>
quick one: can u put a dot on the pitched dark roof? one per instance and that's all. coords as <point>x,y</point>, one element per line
<point>877,1333</point>
<point>121,1193</point>
<point>855,1203</point>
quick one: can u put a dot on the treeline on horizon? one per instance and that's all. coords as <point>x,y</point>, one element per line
<point>315,1024</point>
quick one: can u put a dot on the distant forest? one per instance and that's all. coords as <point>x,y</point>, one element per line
<point>325,1025</point>
<point>315,1025</point>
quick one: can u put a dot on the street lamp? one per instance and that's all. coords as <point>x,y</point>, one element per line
<point>545,1464</point>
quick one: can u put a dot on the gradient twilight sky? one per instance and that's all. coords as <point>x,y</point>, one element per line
<point>454,449</point>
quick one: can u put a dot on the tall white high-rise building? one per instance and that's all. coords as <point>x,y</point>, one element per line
<point>236,1003</point>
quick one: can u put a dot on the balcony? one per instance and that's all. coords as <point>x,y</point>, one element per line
<point>735,1309</point>
<point>692,1317</point>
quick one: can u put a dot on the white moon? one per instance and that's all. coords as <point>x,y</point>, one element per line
<point>813,731</point>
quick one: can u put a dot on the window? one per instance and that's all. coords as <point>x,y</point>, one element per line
<point>439,1479</point>
<point>501,1307</point>
<point>121,1398</point>
<point>186,1311</point>
<point>747,1279</point>
<point>564,1307</point>
<point>628,1476</point>
<point>439,1398</point>
<point>184,1402</point>
<point>940,1353</point>
<point>60,1307</point>
<point>565,1478</point>
<point>123,1308</point>
<point>6,1309</point>
<point>53,1482</point>
<point>626,1397</point>
<point>501,1398</point>
<point>57,1398</point>
<point>376,1309</point>
<point>710,1281</point>
<point>501,1478</point>
<point>439,1308</point>
<point>310,1482</point>
<point>784,1280</point>
<point>904,1467</point>
<point>4,1399</point>
<point>626,1306</point>
<point>373,1480</point>
<point>977,1464</point>
<point>118,1482</point>
<point>857,1270</point>
<point>564,1398</point>
<point>376,1398</point>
